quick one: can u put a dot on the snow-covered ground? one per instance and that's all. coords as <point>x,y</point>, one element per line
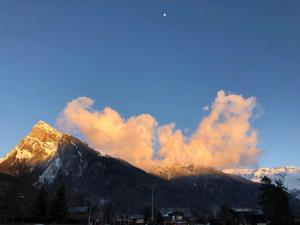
<point>290,176</point>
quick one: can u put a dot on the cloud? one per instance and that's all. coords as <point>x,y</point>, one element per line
<point>224,138</point>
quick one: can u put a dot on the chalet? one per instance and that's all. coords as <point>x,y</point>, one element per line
<point>78,213</point>
<point>176,216</point>
<point>246,216</point>
<point>122,220</point>
<point>137,219</point>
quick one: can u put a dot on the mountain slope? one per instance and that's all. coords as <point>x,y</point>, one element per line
<point>289,175</point>
<point>172,172</point>
<point>89,176</point>
<point>93,176</point>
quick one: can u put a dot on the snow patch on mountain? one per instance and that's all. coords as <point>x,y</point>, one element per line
<point>80,154</point>
<point>51,172</point>
<point>23,154</point>
<point>289,175</point>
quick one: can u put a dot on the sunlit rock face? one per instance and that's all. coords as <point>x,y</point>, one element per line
<point>177,171</point>
<point>38,146</point>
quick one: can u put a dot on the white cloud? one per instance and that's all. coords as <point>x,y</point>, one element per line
<point>224,138</point>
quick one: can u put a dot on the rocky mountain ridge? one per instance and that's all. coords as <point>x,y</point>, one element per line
<point>290,176</point>
<point>38,146</point>
<point>177,171</point>
<point>58,158</point>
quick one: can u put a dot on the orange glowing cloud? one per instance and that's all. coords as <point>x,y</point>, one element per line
<point>222,139</point>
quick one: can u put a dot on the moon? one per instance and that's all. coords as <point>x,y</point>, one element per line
<point>164,14</point>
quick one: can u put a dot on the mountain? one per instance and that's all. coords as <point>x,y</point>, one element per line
<point>55,158</point>
<point>177,171</point>
<point>288,174</point>
<point>39,146</point>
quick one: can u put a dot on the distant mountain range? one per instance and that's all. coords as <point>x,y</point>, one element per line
<point>57,158</point>
<point>290,176</point>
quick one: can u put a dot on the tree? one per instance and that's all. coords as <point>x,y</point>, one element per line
<point>41,204</point>
<point>107,213</point>
<point>225,215</point>
<point>146,211</point>
<point>275,202</point>
<point>59,205</point>
<point>20,189</point>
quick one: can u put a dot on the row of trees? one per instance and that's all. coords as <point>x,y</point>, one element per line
<point>20,201</point>
<point>20,204</point>
<point>51,209</point>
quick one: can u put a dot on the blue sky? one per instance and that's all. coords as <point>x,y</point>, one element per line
<point>127,55</point>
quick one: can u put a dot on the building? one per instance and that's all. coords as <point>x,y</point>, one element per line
<point>78,213</point>
<point>248,216</point>
<point>176,216</point>
<point>137,219</point>
<point>121,220</point>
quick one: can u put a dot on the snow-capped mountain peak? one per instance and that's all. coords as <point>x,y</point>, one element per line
<point>290,176</point>
<point>45,128</point>
<point>39,145</point>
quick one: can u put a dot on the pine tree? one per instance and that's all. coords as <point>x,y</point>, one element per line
<point>41,204</point>
<point>275,202</point>
<point>146,211</point>
<point>107,213</point>
<point>59,205</point>
<point>267,196</point>
<point>225,215</point>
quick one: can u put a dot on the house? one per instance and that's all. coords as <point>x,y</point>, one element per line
<point>122,220</point>
<point>137,219</point>
<point>78,213</point>
<point>248,216</point>
<point>176,216</point>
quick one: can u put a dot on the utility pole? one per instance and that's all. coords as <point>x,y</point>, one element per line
<point>127,212</point>
<point>152,204</point>
<point>90,209</point>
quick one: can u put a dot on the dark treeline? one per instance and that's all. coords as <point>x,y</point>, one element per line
<point>50,208</point>
<point>36,205</point>
<point>275,202</point>
<point>20,201</point>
